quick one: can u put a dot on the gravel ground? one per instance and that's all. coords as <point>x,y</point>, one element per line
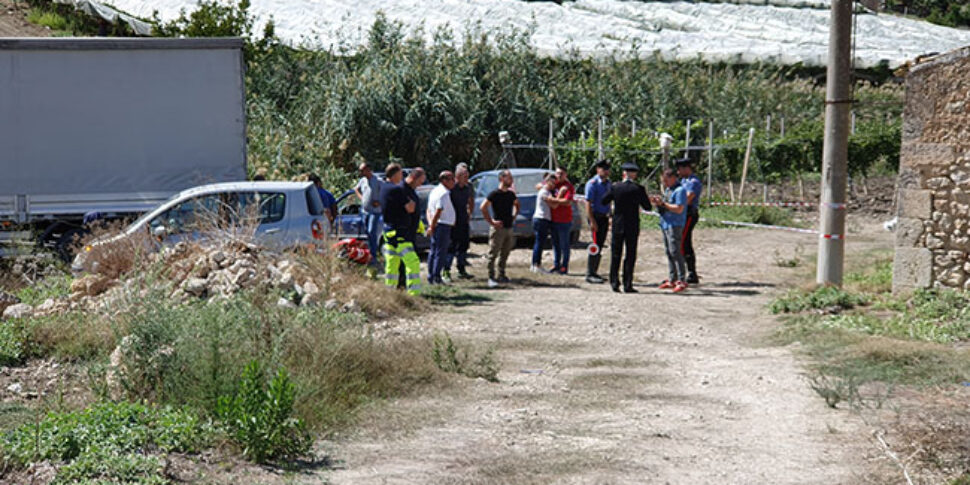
<point>599,387</point>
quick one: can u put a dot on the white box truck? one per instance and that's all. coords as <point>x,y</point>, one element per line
<point>112,127</point>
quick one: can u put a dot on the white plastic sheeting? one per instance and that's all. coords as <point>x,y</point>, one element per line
<point>730,32</point>
<point>105,12</point>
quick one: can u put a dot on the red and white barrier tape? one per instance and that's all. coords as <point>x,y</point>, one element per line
<point>761,204</point>
<point>769,226</point>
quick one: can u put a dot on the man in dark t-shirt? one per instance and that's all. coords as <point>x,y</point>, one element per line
<point>504,209</point>
<point>463,200</point>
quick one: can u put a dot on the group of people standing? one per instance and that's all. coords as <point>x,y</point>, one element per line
<point>391,210</point>
<point>678,207</point>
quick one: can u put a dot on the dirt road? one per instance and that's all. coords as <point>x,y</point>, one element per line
<point>599,387</point>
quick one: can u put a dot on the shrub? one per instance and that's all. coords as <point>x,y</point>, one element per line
<point>259,417</point>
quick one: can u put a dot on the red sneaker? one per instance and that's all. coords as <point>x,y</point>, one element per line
<point>666,284</point>
<point>679,286</point>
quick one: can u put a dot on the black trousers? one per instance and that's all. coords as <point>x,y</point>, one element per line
<point>460,242</point>
<point>593,262</point>
<point>623,241</point>
<point>688,242</point>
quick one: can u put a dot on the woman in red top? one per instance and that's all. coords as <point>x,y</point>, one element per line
<point>562,222</point>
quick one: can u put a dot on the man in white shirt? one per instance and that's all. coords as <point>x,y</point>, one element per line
<point>441,219</point>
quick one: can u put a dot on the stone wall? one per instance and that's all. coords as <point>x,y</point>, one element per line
<point>933,229</point>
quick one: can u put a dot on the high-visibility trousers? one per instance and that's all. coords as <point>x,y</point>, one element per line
<point>397,251</point>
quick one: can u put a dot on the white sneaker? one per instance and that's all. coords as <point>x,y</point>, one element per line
<point>492,283</point>
<point>535,268</point>
<point>446,280</point>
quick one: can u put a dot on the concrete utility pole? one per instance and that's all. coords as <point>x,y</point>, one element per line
<point>835,151</point>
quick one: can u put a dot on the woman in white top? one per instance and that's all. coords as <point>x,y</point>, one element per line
<point>542,218</point>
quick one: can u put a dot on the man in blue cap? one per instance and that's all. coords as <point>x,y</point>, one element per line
<point>693,186</point>
<point>599,216</point>
<point>627,197</point>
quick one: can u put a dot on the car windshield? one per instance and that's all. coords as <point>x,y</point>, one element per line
<point>525,184</point>
<point>144,217</point>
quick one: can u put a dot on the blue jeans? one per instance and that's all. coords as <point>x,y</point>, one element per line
<point>440,240</point>
<point>541,228</point>
<point>560,244</point>
<point>374,225</point>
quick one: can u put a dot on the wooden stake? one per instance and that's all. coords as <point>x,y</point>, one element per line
<point>731,190</point>
<point>710,156</point>
<point>744,169</point>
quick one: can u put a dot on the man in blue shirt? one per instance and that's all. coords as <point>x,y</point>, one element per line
<point>599,216</point>
<point>692,184</point>
<point>673,216</point>
<point>329,201</point>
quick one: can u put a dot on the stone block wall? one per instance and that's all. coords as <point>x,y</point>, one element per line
<point>933,189</point>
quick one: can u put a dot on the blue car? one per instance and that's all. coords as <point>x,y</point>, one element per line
<point>351,224</point>
<point>524,185</point>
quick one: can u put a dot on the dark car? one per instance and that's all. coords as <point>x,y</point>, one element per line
<point>351,224</point>
<point>524,185</point>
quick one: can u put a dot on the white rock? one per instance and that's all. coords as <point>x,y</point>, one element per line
<point>331,304</point>
<point>20,310</point>
<point>15,388</point>
<point>310,288</point>
<point>48,305</point>
<point>285,303</point>
<point>195,286</point>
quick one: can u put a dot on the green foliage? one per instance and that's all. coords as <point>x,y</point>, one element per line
<point>824,297</point>
<point>46,18</point>
<point>943,12</point>
<point>260,417</point>
<point>12,342</point>
<point>449,358</point>
<point>108,441</point>
<point>441,101</point>
<point>56,287</point>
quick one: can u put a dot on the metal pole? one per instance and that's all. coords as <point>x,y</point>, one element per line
<point>831,244</point>
<point>634,134</point>
<point>710,156</point>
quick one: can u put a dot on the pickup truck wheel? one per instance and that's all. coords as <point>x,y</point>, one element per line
<point>66,245</point>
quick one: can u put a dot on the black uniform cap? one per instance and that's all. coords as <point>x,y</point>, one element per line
<point>602,164</point>
<point>630,167</point>
<point>682,162</point>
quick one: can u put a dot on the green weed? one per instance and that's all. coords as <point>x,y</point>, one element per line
<point>108,441</point>
<point>449,358</point>
<point>46,18</point>
<point>259,417</point>
<point>825,297</point>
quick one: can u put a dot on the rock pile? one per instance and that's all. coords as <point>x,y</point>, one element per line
<point>193,271</point>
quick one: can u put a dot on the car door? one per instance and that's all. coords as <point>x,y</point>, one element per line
<point>263,215</point>
<point>350,223</point>
<point>484,184</point>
